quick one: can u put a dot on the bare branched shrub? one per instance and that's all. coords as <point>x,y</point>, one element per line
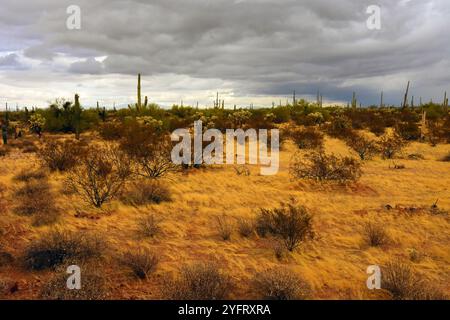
<point>390,145</point>
<point>364,147</point>
<point>36,199</point>
<point>322,167</point>
<point>281,284</point>
<point>101,175</point>
<point>201,281</point>
<point>246,227</point>
<point>404,284</point>
<point>93,286</point>
<point>147,191</point>
<point>61,156</point>
<point>224,227</point>
<point>149,226</point>
<point>142,263</point>
<point>58,247</point>
<point>307,138</point>
<point>290,222</point>
<point>375,234</point>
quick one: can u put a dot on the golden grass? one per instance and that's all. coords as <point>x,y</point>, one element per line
<point>334,264</point>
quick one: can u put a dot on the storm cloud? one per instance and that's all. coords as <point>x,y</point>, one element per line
<point>252,51</point>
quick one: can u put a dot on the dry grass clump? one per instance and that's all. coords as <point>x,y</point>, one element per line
<point>375,234</point>
<point>246,227</point>
<point>58,247</point>
<point>4,151</point>
<point>26,175</point>
<point>149,226</point>
<point>400,280</point>
<point>292,223</point>
<point>35,198</point>
<point>93,286</point>
<point>200,281</point>
<point>224,227</point>
<point>322,167</point>
<point>142,263</point>
<point>146,191</point>
<point>281,284</point>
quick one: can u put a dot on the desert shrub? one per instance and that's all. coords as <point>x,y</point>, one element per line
<point>142,263</point>
<point>290,222</point>
<point>322,167</point>
<point>307,138</point>
<point>4,151</point>
<point>390,145</point>
<point>400,280</point>
<point>149,226</point>
<point>224,227</point>
<point>149,148</point>
<point>364,147</point>
<point>100,175</point>
<point>26,175</point>
<point>246,227</point>
<point>408,130</point>
<point>340,127</point>
<point>111,131</point>
<point>36,199</point>
<point>242,170</point>
<point>61,156</point>
<point>5,258</point>
<point>145,192</point>
<point>93,287</point>
<point>200,281</point>
<point>58,247</point>
<point>281,284</point>
<point>375,234</point>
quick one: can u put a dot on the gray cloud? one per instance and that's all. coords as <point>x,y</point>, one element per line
<point>256,47</point>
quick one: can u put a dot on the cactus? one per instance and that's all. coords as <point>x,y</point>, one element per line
<point>412,102</point>
<point>77,116</point>
<point>145,102</point>
<point>424,124</point>
<point>445,102</point>
<point>381,99</point>
<point>405,100</point>
<point>138,106</point>
<point>354,101</point>
<point>5,126</point>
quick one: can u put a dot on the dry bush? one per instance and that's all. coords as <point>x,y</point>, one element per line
<point>146,191</point>
<point>36,199</point>
<point>364,147</point>
<point>61,156</point>
<point>242,170</point>
<point>4,151</point>
<point>246,227</point>
<point>375,234</point>
<point>93,286</point>
<point>408,130</point>
<point>200,281</point>
<point>390,145</point>
<point>111,131</point>
<point>142,263</point>
<point>224,227</point>
<point>446,158</point>
<point>404,284</point>
<point>340,127</point>
<point>307,138</point>
<point>100,175</point>
<point>281,284</point>
<point>322,167</point>
<point>290,222</point>
<point>5,258</point>
<point>149,226</point>
<point>58,247</point>
<point>26,175</point>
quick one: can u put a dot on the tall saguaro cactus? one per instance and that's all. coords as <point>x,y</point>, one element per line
<point>77,116</point>
<point>354,100</point>
<point>381,100</point>
<point>405,100</point>
<point>139,101</point>
<point>445,102</point>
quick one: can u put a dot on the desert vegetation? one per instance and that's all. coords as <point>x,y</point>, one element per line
<point>96,187</point>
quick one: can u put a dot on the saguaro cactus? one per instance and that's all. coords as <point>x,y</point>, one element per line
<point>354,101</point>
<point>405,100</point>
<point>445,102</point>
<point>77,116</point>
<point>381,99</point>
<point>138,107</point>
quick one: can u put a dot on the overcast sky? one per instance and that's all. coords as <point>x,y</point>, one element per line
<point>251,51</point>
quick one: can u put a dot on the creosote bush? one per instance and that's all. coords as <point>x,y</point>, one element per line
<point>58,247</point>
<point>363,146</point>
<point>281,284</point>
<point>322,167</point>
<point>307,138</point>
<point>391,144</point>
<point>100,175</point>
<point>403,283</point>
<point>142,263</point>
<point>375,234</point>
<point>200,281</point>
<point>61,156</point>
<point>290,222</point>
<point>93,286</point>
<point>146,191</point>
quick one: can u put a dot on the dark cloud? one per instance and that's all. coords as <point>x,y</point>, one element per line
<point>257,47</point>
